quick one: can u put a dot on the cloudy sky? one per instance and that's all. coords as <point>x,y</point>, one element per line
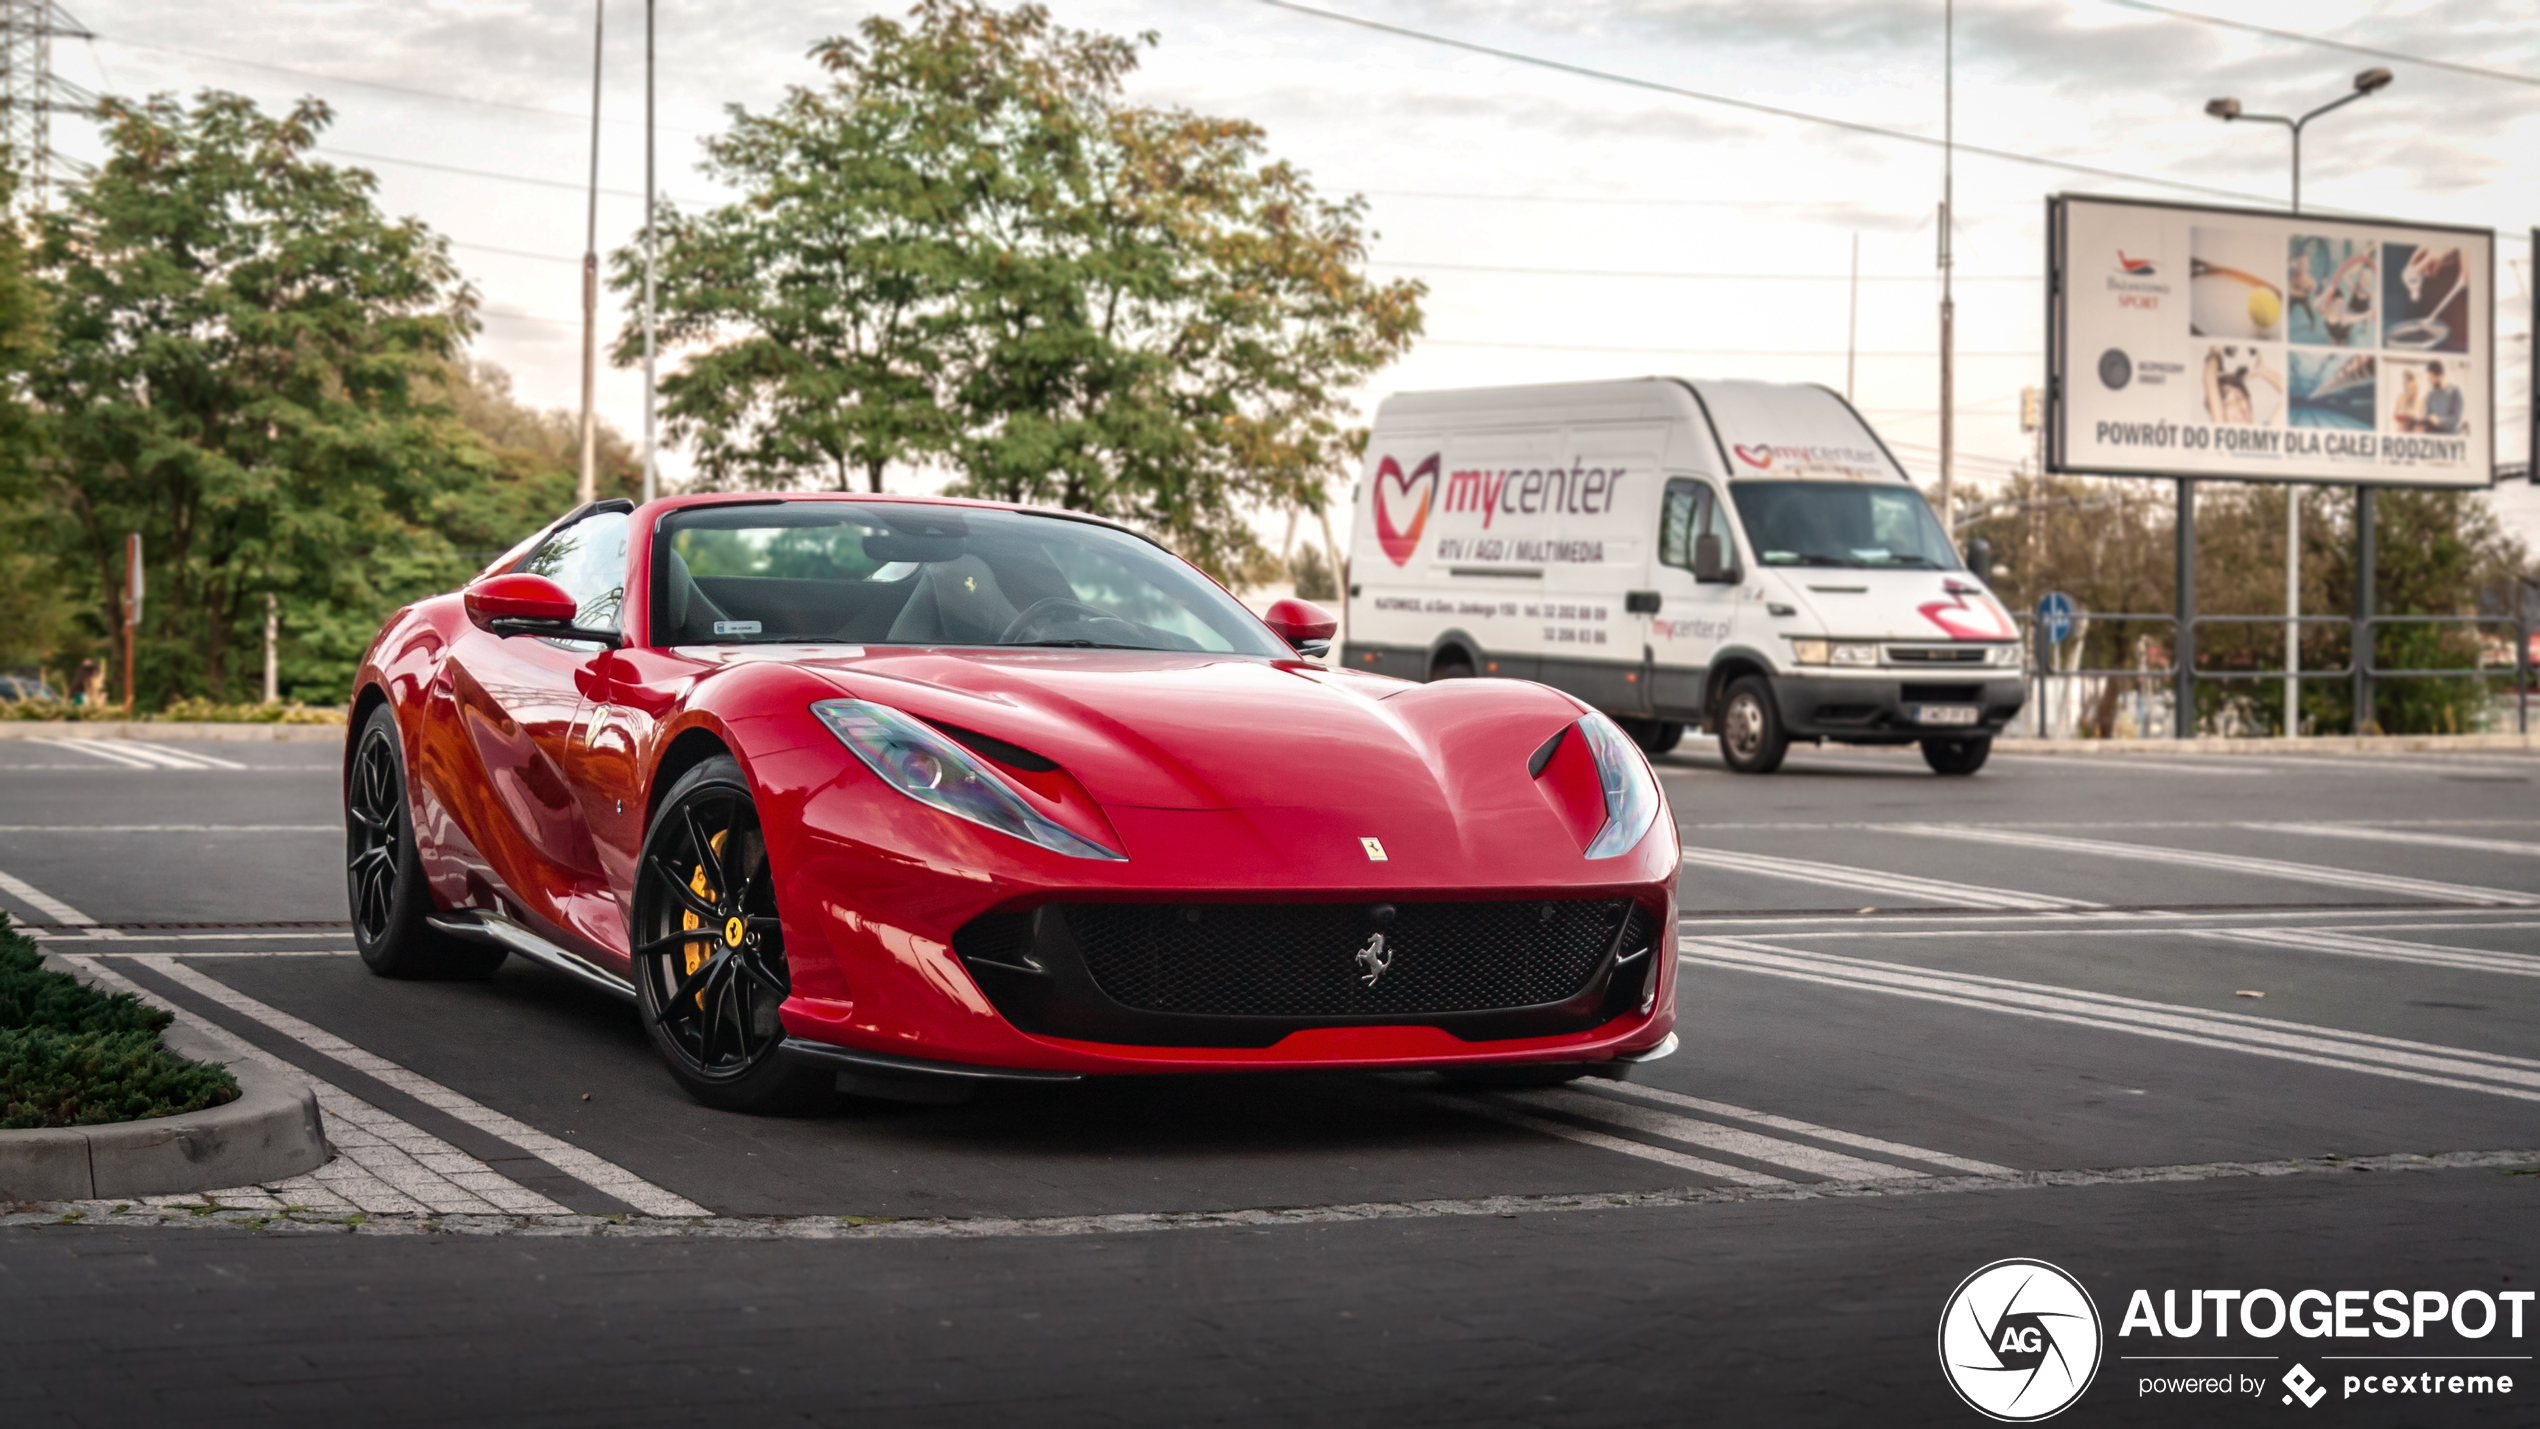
<point>1569,227</point>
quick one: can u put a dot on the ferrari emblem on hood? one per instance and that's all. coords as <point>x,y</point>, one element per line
<point>1375,958</point>
<point>1375,850</point>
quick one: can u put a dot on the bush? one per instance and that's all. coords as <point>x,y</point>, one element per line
<point>73,1056</point>
<point>181,711</point>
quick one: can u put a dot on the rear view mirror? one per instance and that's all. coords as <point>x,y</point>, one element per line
<point>1307,627</point>
<point>521,604</point>
<point>1709,562</point>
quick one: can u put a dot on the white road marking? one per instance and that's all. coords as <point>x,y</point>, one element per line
<point>100,750</point>
<point>1802,1128</point>
<point>183,758</point>
<point>1481,1106</point>
<point>2231,863</point>
<point>2457,1068</point>
<point>590,1170</point>
<point>385,1165</point>
<point>1771,1150</point>
<point>1868,880</point>
<point>45,903</point>
<point>2315,940</point>
<point>2369,834</point>
<point>171,828</point>
<point>2114,764</point>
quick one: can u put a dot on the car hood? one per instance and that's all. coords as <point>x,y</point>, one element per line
<point>1898,605</point>
<point>1173,731</point>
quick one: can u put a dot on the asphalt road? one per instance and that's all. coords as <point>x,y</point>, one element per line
<point>1927,1024</point>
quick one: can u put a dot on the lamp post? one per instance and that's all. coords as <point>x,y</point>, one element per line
<point>2229,110</point>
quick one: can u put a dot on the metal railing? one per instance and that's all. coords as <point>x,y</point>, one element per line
<point>2362,637</point>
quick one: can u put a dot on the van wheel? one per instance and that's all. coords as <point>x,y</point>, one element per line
<point>1453,667</point>
<point>1752,740</point>
<point>1956,756</point>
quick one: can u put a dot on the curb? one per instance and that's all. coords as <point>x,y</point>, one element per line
<point>270,1132</point>
<point>147,729</point>
<point>2316,744</point>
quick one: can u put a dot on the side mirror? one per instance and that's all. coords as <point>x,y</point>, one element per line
<point>1710,563</point>
<point>1304,625</point>
<point>1980,559</point>
<point>520,604</point>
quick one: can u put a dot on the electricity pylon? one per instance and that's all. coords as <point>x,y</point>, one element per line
<point>31,94</point>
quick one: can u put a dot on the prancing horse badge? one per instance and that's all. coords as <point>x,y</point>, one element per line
<point>1375,850</point>
<point>1375,958</point>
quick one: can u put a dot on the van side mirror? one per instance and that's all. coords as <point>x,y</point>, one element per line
<point>1709,563</point>
<point>1980,559</point>
<point>522,604</point>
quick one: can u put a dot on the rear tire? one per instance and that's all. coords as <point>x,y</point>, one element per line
<point>1752,740</point>
<point>709,951</point>
<point>383,875</point>
<point>1453,667</point>
<point>1654,736</point>
<point>1964,755</point>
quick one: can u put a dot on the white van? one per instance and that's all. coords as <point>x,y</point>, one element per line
<point>1743,557</point>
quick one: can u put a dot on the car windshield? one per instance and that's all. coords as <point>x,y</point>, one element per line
<point>886,573</point>
<point>1841,523</point>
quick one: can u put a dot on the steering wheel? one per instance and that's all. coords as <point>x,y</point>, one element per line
<point>1045,615</point>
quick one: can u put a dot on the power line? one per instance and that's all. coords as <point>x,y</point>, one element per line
<point>2297,38</point>
<point>1416,266</point>
<point>405,89</point>
<point>466,172</point>
<point>1854,126</point>
<point>2030,356</point>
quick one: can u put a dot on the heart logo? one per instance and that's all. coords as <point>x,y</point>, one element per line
<point>1394,494</point>
<point>1761,458</point>
<point>1981,620</point>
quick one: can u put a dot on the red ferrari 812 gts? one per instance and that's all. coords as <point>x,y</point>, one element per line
<point>898,796</point>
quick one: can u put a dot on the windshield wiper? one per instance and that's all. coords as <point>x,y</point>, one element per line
<point>1075,645</point>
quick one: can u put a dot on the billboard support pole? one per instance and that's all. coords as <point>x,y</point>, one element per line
<point>2362,643</point>
<point>2184,647</point>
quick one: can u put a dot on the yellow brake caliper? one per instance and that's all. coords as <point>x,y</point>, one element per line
<point>697,951</point>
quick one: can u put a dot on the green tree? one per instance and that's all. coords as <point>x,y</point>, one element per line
<point>32,607</point>
<point>968,248</point>
<point>244,360</point>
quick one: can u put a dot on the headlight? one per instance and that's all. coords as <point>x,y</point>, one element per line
<point>1826,652</point>
<point>1631,791</point>
<point>2003,655</point>
<point>913,758</point>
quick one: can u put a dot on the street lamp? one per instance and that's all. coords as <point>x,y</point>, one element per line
<point>2228,110</point>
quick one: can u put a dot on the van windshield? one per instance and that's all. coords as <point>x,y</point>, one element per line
<point>1841,523</point>
<point>887,573</point>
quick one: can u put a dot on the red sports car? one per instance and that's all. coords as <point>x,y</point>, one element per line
<point>898,796</point>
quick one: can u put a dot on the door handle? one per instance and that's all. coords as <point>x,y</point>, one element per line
<point>1640,602</point>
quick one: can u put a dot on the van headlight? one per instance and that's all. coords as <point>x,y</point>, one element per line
<point>2003,655</point>
<point>1833,652</point>
<point>910,756</point>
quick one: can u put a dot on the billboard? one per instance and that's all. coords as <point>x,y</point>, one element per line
<point>2259,346</point>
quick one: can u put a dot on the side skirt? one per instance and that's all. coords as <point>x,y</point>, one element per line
<point>502,932</point>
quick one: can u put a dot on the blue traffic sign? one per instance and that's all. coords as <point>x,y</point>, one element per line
<point>2055,616</point>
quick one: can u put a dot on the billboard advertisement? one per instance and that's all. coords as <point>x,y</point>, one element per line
<point>2259,346</point>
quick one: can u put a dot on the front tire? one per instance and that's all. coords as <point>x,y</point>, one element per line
<point>383,874</point>
<point>1752,740</point>
<point>709,950</point>
<point>1964,755</point>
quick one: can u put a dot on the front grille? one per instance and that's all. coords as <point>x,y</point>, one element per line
<point>1937,654</point>
<point>1302,959</point>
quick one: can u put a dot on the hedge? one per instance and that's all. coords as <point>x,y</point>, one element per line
<point>73,1056</point>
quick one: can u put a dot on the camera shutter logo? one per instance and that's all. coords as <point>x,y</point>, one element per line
<point>2019,1340</point>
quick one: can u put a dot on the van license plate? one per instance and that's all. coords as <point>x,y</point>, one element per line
<point>1944,714</point>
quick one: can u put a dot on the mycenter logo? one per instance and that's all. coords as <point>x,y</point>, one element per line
<point>2019,1340</point>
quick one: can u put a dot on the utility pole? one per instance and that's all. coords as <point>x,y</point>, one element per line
<point>131,611</point>
<point>652,466</point>
<point>2229,110</point>
<point>30,93</point>
<point>588,487</point>
<point>273,652</point>
<point>1948,303</point>
<point>1852,328</point>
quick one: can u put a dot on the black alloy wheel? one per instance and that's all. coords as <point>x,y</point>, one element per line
<point>383,875</point>
<point>709,956</point>
<point>1752,740</point>
<point>1964,754</point>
